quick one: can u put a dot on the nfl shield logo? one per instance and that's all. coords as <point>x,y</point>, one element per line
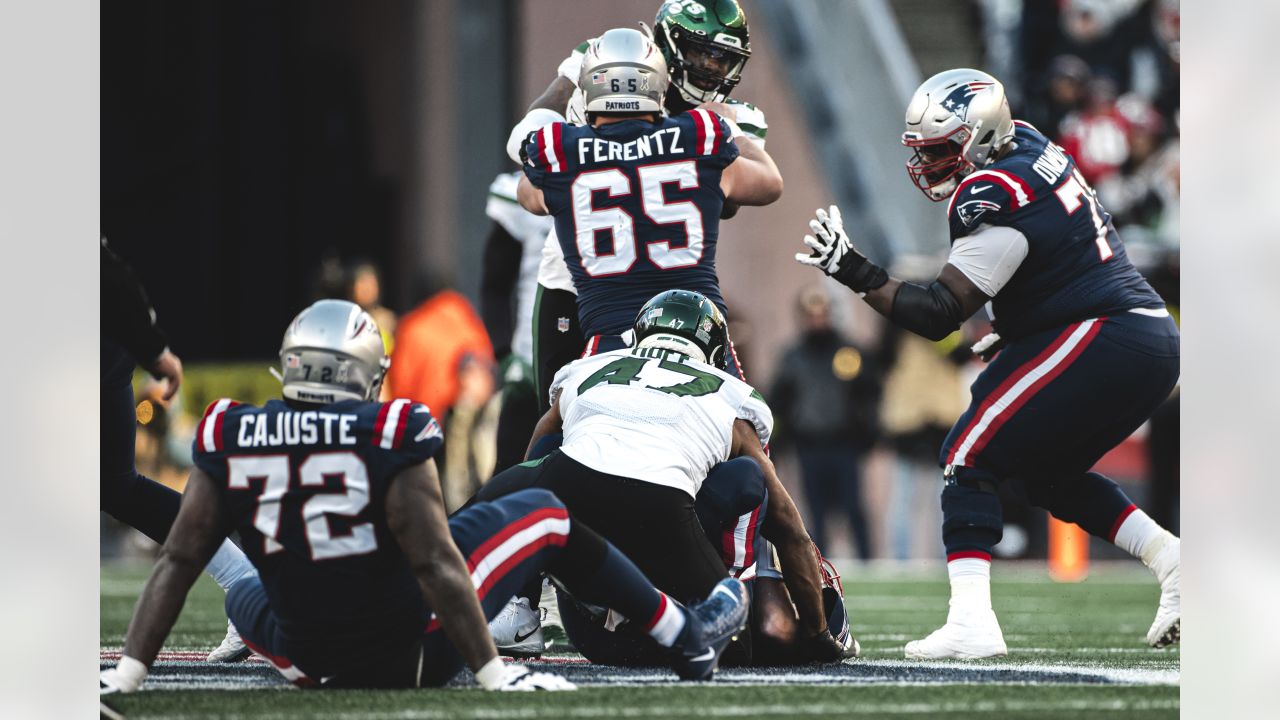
<point>562,324</point>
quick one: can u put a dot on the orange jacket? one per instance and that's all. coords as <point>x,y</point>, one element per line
<point>430,344</point>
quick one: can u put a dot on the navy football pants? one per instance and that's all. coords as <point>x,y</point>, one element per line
<point>507,541</point>
<point>1044,412</point>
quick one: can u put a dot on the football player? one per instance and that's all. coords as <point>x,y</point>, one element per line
<point>1086,349</point>
<point>642,428</point>
<point>130,338</point>
<point>507,291</point>
<point>706,47</point>
<point>364,583</point>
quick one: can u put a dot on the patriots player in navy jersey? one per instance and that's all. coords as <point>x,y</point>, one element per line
<point>1086,349</point>
<point>636,196</point>
<point>363,582</point>
<point>637,201</point>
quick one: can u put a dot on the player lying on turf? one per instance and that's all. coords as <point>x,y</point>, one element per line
<point>642,427</point>
<point>363,582</point>
<point>1086,348</point>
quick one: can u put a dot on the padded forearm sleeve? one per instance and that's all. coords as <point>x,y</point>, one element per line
<point>932,311</point>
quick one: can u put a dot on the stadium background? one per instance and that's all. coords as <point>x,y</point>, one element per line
<point>254,152</point>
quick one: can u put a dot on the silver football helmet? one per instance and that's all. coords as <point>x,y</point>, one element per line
<point>332,351</point>
<point>957,122</point>
<point>623,71</point>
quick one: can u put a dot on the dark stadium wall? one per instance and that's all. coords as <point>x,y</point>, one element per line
<point>245,143</point>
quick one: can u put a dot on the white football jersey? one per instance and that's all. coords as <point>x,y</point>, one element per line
<point>654,415</point>
<point>553,274</point>
<point>531,231</point>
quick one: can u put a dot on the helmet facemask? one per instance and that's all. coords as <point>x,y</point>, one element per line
<point>938,164</point>
<point>702,70</point>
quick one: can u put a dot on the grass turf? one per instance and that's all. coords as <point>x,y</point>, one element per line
<point>1095,624</point>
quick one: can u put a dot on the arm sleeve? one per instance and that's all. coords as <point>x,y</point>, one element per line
<point>501,270</point>
<point>989,256</point>
<point>127,316</point>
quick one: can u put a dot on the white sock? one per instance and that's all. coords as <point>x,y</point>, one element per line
<point>1142,537</point>
<point>970,583</point>
<point>228,565</point>
<point>667,623</point>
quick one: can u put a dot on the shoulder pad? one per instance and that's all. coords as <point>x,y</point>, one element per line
<point>750,118</point>
<point>546,148</point>
<point>402,424</point>
<point>710,131</point>
<point>985,194</point>
<point>208,437</point>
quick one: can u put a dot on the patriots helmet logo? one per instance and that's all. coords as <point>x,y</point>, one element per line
<point>957,101</point>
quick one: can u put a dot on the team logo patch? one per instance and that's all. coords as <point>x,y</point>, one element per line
<point>431,430</point>
<point>562,324</point>
<point>958,100</point>
<point>972,210</point>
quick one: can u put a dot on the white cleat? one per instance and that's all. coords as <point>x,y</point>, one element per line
<point>968,635</point>
<point>232,649</point>
<point>1167,627</point>
<point>517,630</point>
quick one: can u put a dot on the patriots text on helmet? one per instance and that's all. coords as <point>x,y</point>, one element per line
<point>661,142</point>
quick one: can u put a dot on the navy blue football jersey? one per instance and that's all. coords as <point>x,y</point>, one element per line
<point>637,209</point>
<point>307,489</point>
<point>1076,267</point>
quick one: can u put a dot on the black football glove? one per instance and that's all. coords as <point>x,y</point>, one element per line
<point>822,648</point>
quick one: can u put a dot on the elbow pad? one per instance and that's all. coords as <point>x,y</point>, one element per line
<point>929,311</point>
<point>535,120</point>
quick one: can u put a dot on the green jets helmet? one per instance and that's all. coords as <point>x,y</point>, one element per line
<point>706,45</point>
<point>686,322</point>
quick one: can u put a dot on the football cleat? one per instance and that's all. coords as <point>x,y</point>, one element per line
<point>232,649</point>
<point>970,634</point>
<point>517,630</point>
<point>1167,627</point>
<point>709,628</point>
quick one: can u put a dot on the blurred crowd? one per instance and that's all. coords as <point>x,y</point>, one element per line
<point>858,424</point>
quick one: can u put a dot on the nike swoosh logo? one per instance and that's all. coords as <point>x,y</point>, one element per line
<point>526,636</point>
<point>704,656</point>
<point>975,190</point>
<point>725,591</point>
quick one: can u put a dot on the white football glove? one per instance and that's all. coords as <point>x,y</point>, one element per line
<point>830,246</point>
<point>501,677</point>
<point>834,253</point>
<point>125,677</point>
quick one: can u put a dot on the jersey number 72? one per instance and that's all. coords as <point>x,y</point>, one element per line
<point>274,473</point>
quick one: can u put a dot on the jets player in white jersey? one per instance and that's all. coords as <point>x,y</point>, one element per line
<point>643,428</point>
<point>512,253</point>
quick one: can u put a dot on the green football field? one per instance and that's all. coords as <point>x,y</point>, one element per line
<point>1075,650</point>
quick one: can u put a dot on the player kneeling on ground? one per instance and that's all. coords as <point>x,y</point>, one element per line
<point>363,582</point>
<point>643,427</point>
